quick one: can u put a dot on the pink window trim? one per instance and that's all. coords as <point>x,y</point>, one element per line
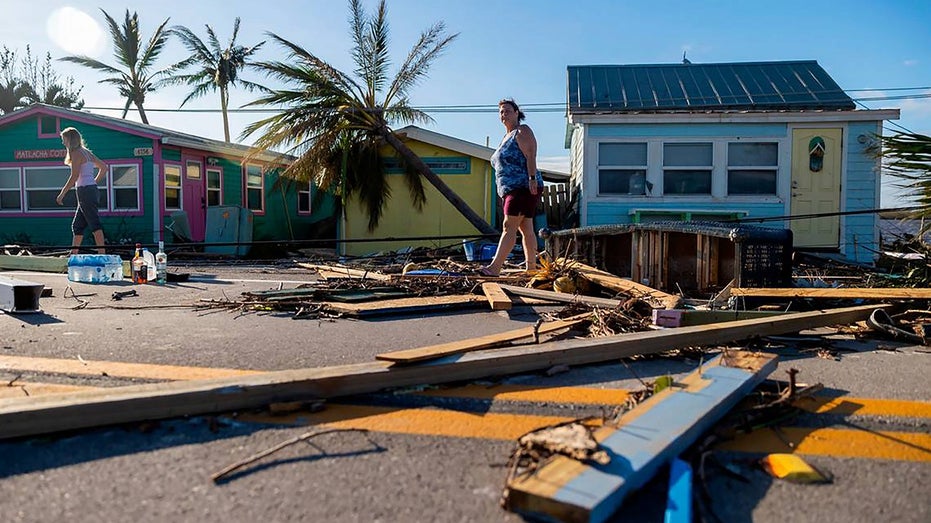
<point>40,134</point>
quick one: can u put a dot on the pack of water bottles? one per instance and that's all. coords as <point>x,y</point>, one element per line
<point>95,268</point>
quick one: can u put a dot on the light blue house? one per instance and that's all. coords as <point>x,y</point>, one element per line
<point>772,143</point>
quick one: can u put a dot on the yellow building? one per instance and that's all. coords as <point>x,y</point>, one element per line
<point>462,165</point>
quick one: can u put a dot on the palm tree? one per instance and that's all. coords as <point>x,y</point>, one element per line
<point>907,156</point>
<point>219,67</point>
<point>133,77</point>
<point>335,124</point>
<point>14,93</point>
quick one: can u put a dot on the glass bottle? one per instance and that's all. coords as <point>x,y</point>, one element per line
<point>161,264</point>
<point>140,271</point>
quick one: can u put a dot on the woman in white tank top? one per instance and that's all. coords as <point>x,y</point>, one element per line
<point>82,178</point>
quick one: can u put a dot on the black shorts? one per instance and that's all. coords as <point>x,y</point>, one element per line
<point>86,215</point>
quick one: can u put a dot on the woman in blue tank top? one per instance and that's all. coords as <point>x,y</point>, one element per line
<point>82,178</point>
<point>519,185</point>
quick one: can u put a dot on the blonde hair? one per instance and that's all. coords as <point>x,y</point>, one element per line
<point>72,140</point>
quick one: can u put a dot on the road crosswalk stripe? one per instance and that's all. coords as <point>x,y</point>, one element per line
<point>849,443</point>
<point>853,443</point>
<point>116,369</point>
<point>889,445</point>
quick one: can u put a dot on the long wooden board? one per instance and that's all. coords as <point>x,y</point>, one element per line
<point>560,296</point>
<point>405,305</point>
<point>645,438</point>
<point>345,272</point>
<point>482,342</point>
<point>851,293</point>
<point>654,297</point>
<point>53,413</point>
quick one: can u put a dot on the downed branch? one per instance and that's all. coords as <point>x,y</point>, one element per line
<point>219,476</point>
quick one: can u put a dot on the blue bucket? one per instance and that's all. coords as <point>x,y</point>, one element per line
<point>478,250</point>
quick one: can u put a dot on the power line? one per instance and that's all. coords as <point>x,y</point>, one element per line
<point>547,107</point>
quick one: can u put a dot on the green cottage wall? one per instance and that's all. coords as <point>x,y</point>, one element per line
<point>54,228</point>
<point>278,221</point>
<point>281,221</point>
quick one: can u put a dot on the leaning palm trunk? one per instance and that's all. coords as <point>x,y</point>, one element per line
<point>418,165</point>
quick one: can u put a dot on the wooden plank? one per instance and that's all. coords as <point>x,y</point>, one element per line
<point>851,293</point>
<point>345,272</point>
<point>405,305</point>
<point>683,318</point>
<point>644,439</point>
<point>498,300</point>
<point>561,296</point>
<point>482,342</point>
<point>53,413</point>
<point>655,298</point>
<point>33,263</point>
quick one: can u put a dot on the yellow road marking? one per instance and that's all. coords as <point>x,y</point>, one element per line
<point>576,395</point>
<point>116,369</point>
<point>853,443</point>
<point>849,443</point>
<point>22,389</point>
<point>865,407</point>
<point>431,422</point>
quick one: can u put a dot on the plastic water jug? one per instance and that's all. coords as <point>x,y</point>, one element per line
<point>149,264</point>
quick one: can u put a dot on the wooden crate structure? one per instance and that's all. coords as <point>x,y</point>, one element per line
<point>673,255</point>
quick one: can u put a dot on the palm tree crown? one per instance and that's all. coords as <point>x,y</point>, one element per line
<point>335,123</point>
<point>218,67</point>
<point>14,93</point>
<point>133,77</point>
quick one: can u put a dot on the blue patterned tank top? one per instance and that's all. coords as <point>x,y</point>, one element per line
<point>510,166</point>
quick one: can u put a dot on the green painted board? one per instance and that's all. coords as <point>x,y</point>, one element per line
<point>33,263</point>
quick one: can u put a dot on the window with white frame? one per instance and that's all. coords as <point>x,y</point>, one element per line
<point>214,187</point>
<point>255,188</point>
<point>124,187</point>
<point>172,187</point>
<point>10,189</point>
<point>42,186</point>
<point>687,168</point>
<point>752,168</point>
<point>304,205</point>
<point>622,168</point>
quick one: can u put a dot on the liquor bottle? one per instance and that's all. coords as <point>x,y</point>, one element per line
<point>161,264</point>
<point>140,271</point>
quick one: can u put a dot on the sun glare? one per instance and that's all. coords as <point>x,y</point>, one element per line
<point>75,32</point>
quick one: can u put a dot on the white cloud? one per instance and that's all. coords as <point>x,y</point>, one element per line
<point>910,63</point>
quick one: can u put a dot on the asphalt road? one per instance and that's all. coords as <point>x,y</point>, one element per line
<point>444,457</point>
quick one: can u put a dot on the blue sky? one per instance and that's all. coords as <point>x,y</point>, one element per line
<point>517,48</point>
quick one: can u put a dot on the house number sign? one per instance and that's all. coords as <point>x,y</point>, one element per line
<point>142,151</point>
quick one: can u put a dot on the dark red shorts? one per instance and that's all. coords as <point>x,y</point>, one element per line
<point>521,202</point>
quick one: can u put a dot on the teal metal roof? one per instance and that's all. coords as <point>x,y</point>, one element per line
<point>745,86</point>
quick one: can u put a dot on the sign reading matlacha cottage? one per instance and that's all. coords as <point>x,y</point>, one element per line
<point>38,154</point>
